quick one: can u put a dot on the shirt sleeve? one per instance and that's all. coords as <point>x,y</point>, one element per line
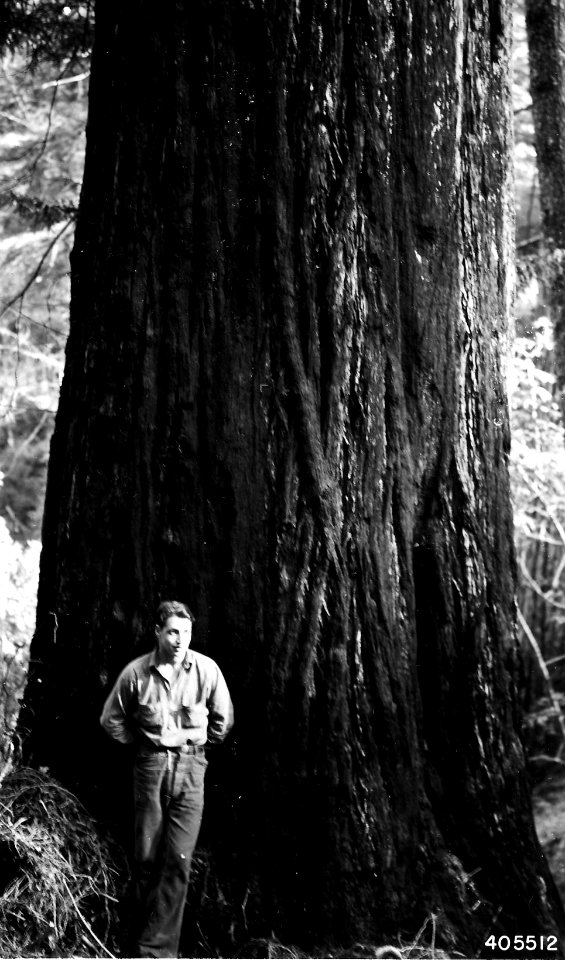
<point>220,710</point>
<point>116,712</point>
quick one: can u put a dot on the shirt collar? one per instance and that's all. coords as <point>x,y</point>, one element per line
<point>187,662</point>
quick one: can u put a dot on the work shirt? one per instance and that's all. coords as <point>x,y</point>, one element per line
<point>194,706</point>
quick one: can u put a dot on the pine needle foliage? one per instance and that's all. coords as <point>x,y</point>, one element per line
<point>51,30</point>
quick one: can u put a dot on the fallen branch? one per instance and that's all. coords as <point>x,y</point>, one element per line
<point>59,83</point>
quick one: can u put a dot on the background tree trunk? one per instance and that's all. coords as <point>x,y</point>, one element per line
<point>545,23</point>
<point>283,403</point>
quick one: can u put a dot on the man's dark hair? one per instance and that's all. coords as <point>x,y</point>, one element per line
<point>172,608</point>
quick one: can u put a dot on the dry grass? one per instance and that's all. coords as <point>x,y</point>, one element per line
<point>58,880</point>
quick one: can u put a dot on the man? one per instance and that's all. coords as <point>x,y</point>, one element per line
<point>169,704</point>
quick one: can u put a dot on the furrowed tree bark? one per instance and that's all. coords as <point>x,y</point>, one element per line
<point>545,23</point>
<point>284,403</point>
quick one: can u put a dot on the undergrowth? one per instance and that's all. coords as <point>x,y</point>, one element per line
<point>60,882</point>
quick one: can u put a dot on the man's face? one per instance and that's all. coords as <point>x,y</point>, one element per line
<point>173,640</point>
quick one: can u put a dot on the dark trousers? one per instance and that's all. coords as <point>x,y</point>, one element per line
<point>169,799</point>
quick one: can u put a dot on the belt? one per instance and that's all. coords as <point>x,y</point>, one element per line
<point>193,748</point>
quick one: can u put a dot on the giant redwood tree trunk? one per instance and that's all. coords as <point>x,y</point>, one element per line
<point>283,403</point>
